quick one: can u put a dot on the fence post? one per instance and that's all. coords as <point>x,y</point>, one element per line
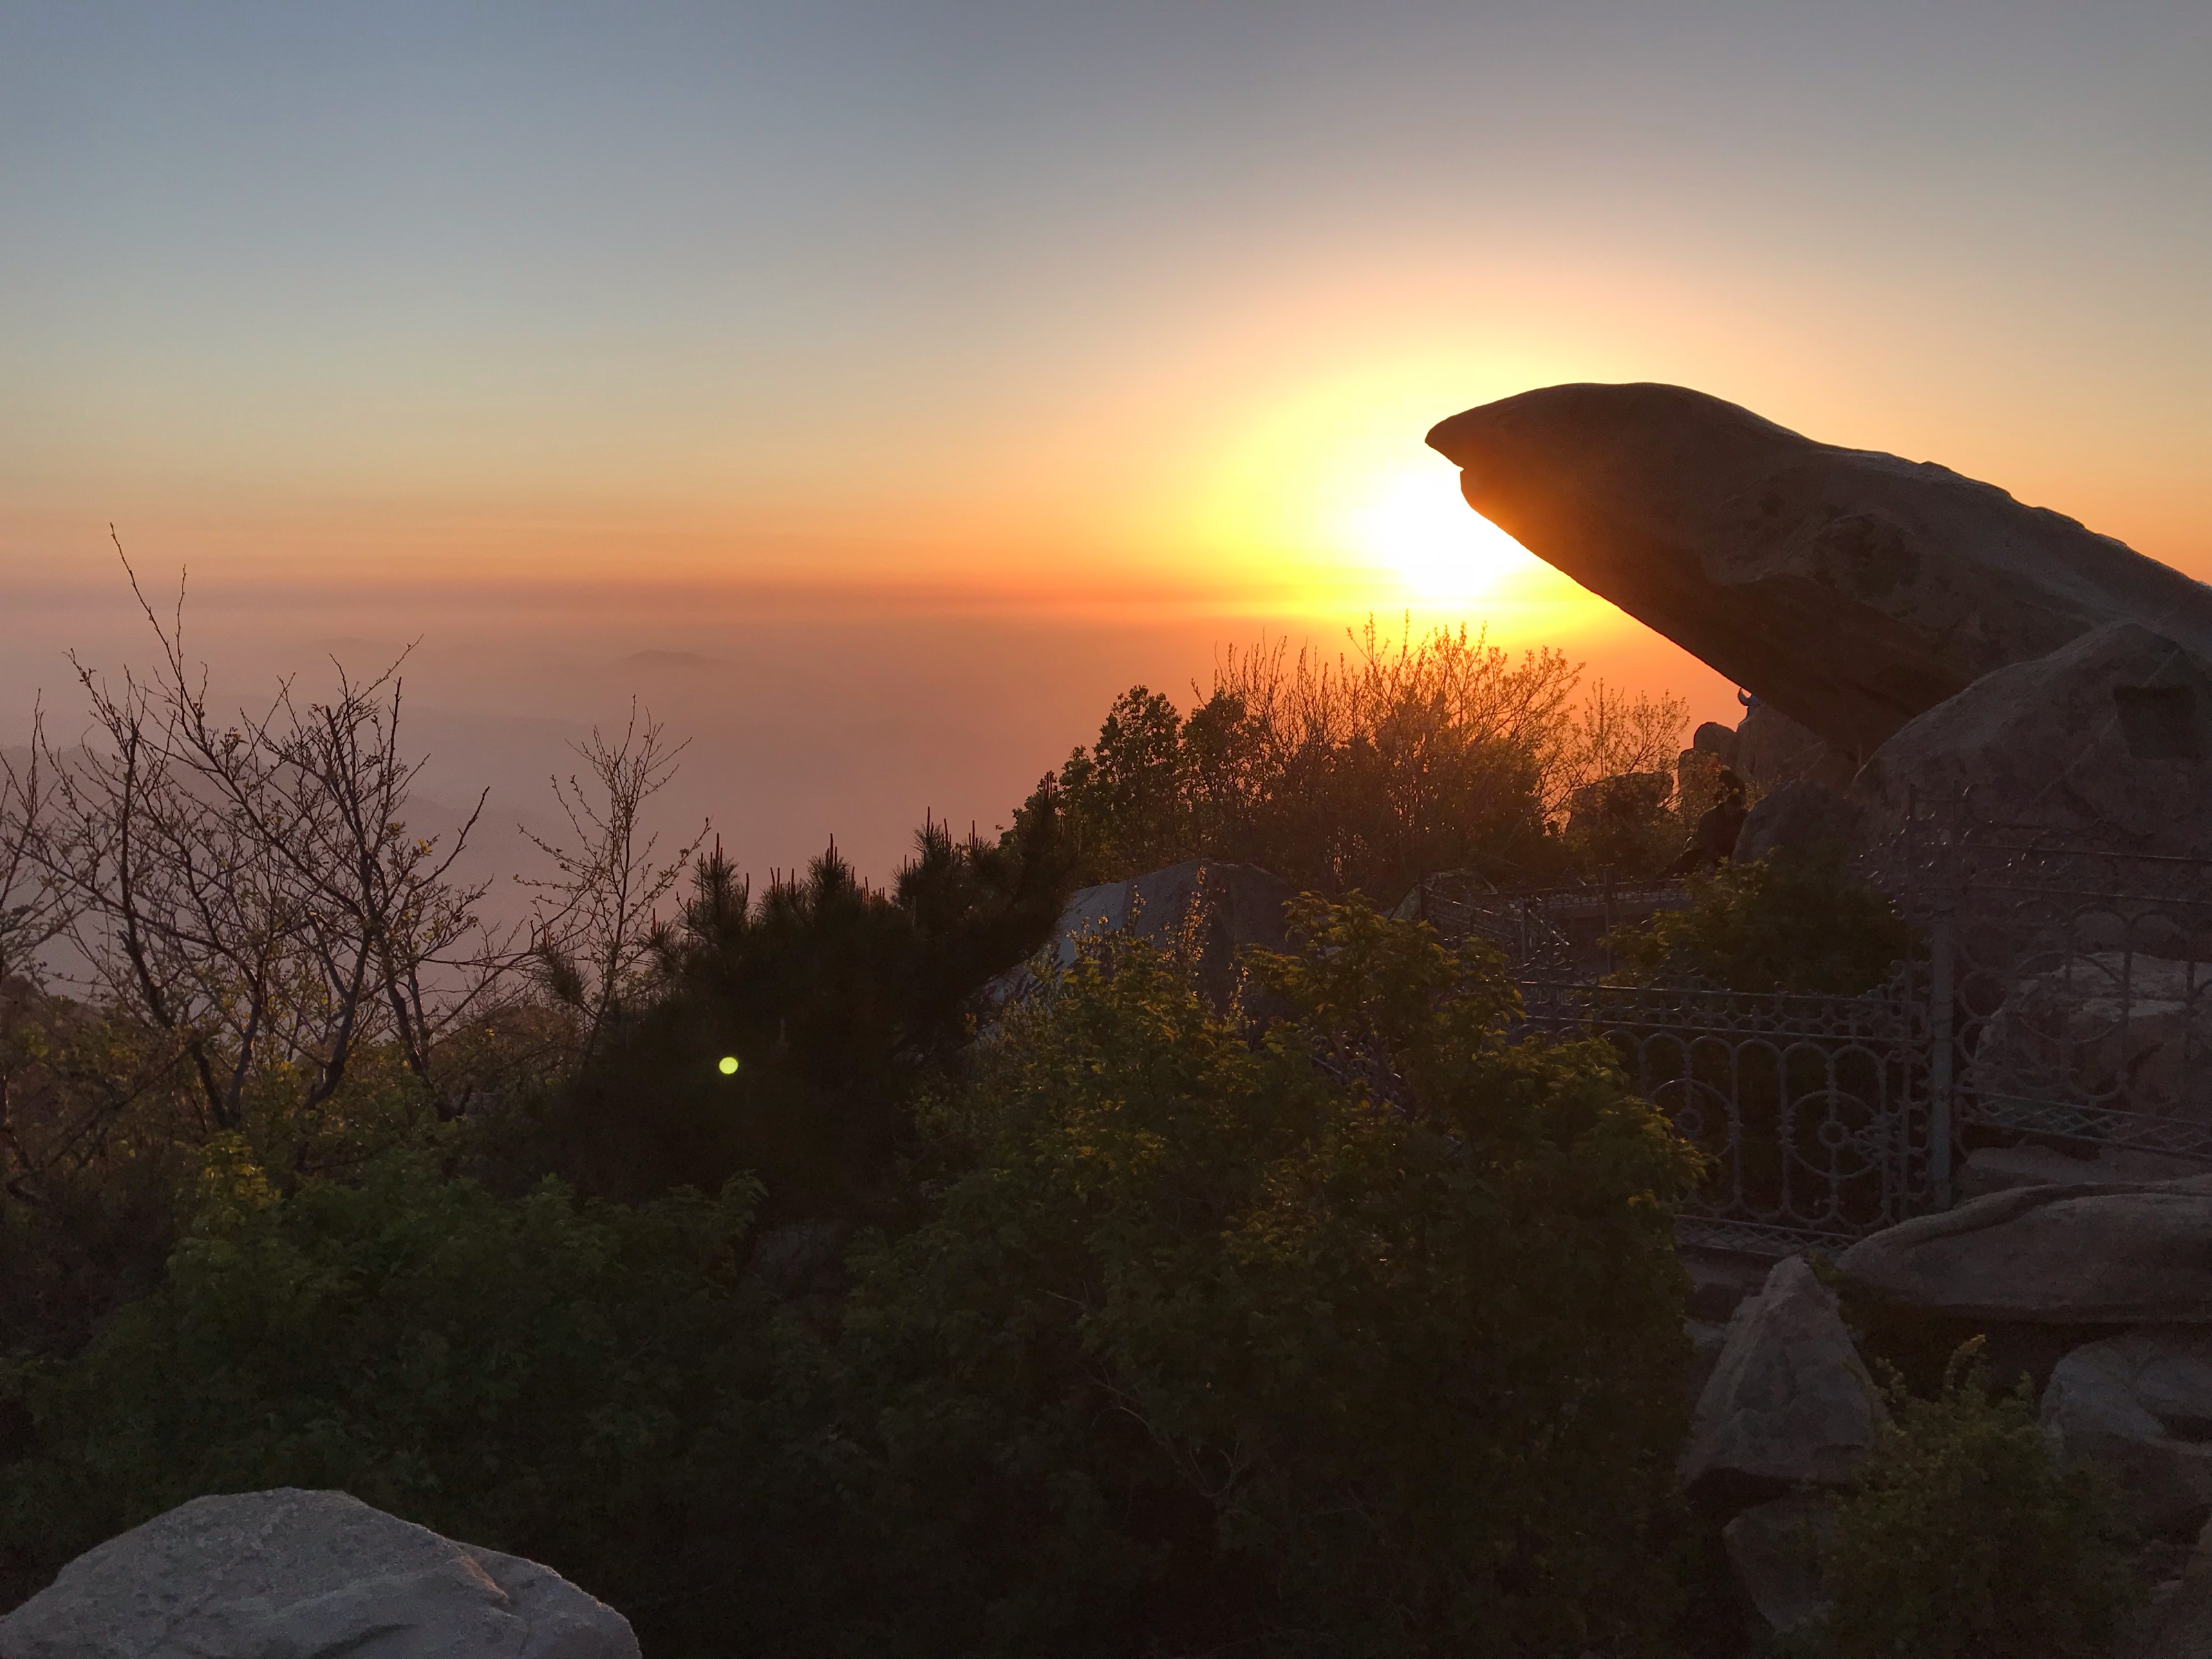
<point>1939,1057</point>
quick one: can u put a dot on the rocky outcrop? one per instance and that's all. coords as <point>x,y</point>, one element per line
<point>1719,741</point>
<point>1219,908</point>
<point>2121,1255</point>
<point>2112,1028</point>
<point>1800,817</point>
<point>1851,590</point>
<point>1772,749</point>
<point>2000,1168</point>
<point>1790,1401</point>
<point>2140,1407</point>
<point>2110,735</point>
<point>306,1575</point>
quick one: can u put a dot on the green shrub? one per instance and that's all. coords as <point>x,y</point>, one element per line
<point>588,1385</point>
<point>1961,1538</point>
<point>1387,763</point>
<point>1795,921</point>
<point>1365,1339</point>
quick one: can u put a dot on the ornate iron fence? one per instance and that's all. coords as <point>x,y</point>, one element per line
<point>2069,984</point>
<point>2059,994</point>
<point>1813,1111</point>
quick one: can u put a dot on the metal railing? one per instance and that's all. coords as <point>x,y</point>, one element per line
<point>2059,993</point>
<point>2079,980</point>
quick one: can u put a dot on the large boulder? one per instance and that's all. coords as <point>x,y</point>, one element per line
<point>1801,817</point>
<point>1852,590</point>
<point>2111,735</point>
<point>2140,1407</point>
<point>1719,741</point>
<point>1790,1401</point>
<point>2124,1254</point>
<point>1219,909</point>
<point>1997,1168</point>
<point>306,1575</point>
<point>1772,749</point>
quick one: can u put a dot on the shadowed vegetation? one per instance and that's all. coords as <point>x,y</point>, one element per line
<point>1369,770</point>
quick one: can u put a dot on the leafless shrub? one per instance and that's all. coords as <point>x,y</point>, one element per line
<point>248,888</point>
<point>598,920</point>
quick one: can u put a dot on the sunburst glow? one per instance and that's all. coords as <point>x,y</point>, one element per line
<point>1415,523</point>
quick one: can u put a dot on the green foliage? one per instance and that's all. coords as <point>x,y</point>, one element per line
<point>1625,826</point>
<point>1365,1339</point>
<point>1962,1538</point>
<point>1360,1335</point>
<point>1791,921</point>
<point>575,1382</point>
<point>102,1129</point>
<point>1369,772</point>
<point>836,1001</point>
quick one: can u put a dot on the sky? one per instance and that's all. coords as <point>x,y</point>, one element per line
<point>904,380</point>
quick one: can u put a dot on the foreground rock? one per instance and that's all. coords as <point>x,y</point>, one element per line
<point>2110,736</point>
<point>1216,908</point>
<point>1790,1401</point>
<point>2140,1406</point>
<point>1998,1168</point>
<point>2137,1253</point>
<point>1852,590</point>
<point>306,1575</point>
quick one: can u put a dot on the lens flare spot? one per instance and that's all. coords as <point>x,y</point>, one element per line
<point>727,1066</point>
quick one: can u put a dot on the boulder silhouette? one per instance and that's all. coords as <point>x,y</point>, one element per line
<point>2110,736</point>
<point>1851,589</point>
<point>290,1574</point>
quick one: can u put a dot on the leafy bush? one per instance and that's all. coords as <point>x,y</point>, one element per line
<point>1370,771</point>
<point>1791,921</point>
<point>1358,1335</point>
<point>1961,1538</point>
<point>581,1383</point>
<point>1365,1339</point>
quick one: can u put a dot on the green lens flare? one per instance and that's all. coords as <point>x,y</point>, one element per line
<point>729,1066</point>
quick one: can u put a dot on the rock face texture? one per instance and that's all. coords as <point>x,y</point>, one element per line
<point>2111,734</point>
<point>1798,816</point>
<point>2140,1406</point>
<point>306,1575</point>
<point>2121,1255</point>
<point>1772,749</point>
<point>2128,1031</point>
<point>1852,590</point>
<point>1233,905</point>
<point>1995,1169</point>
<point>1789,1402</point>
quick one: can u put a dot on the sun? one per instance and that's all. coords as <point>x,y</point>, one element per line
<point>1412,521</point>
